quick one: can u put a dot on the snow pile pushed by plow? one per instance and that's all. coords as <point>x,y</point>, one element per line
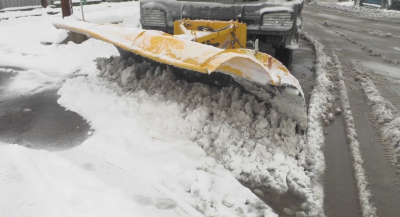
<point>258,145</point>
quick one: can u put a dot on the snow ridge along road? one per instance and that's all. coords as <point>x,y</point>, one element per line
<point>387,120</point>
<point>364,194</point>
<point>332,63</point>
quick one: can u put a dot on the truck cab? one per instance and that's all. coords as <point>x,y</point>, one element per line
<point>275,23</point>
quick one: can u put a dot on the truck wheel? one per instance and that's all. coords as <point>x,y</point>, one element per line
<point>285,56</point>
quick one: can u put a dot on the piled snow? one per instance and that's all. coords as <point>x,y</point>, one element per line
<point>386,116</point>
<point>257,145</point>
<point>148,134</point>
<point>373,13</point>
<point>320,103</point>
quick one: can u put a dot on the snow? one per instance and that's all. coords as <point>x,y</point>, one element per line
<point>365,197</point>
<point>320,110</point>
<point>346,3</point>
<point>386,116</point>
<point>19,50</point>
<point>41,183</point>
<point>320,101</point>
<point>349,8</point>
<point>147,136</point>
<point>158,146</point>
<point>255,144</point>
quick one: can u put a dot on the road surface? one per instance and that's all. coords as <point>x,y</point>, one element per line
<point>363,47</point>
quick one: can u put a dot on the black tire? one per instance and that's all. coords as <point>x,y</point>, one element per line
<point>285,56</point>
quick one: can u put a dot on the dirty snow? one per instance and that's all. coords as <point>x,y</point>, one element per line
<point>325,87</point>
<point>366,12</point>
<point>365,197</point>
<point>320,103</point>
<point>386,116</point>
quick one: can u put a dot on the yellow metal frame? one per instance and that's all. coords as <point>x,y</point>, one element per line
<point>221,34</point>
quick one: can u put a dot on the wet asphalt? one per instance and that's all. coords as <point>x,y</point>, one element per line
<point>36,120</point>
<point>339,187</point>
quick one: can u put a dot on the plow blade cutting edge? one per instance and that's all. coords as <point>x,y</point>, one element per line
<point>260,74</point>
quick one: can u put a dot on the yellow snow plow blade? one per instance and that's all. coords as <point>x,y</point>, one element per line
<point>246,66</point>
<point>165,48</point>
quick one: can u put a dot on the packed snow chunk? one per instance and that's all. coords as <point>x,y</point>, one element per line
<point>128,74</point>
<point>228,201</point>
<point>279,158</point>
<point>292,91</point>
<point>54,36</point>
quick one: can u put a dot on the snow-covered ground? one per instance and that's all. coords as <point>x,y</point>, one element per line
<point>159,146</point>
<point>367,12</point>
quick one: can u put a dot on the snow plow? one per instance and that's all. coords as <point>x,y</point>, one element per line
<point>207,47</point>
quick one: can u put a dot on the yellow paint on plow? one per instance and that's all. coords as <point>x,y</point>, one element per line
<point>165,48</point>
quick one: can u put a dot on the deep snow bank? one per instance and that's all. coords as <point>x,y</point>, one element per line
<point>146,134</point>
<point>258,145</point>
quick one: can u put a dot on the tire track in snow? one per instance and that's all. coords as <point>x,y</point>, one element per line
<point>364,194</point>
<point>371,52</point>
<point>367,208</point>
<point>356,11</point>
<point>375,33</point>
<point>386,118</point>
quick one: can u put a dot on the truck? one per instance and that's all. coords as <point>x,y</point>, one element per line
<point>276,24</point>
